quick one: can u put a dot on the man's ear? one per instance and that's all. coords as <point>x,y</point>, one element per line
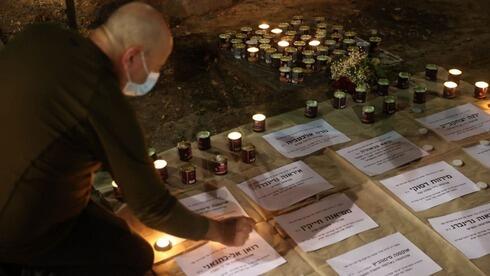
<point>129,57</point>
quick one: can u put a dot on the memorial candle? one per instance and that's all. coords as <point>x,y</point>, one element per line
<point>203,140</point>
<point>314,44</point>
<point>454,75</point>
<point>277,33</point>
<point>253,54</point>
<point>161,167</point>
<point>431,72</point>
<point>117,191</point>
<point>282,45</point>
<point>235,141</point>
<point>450,90</point>
<point>259,122</point>
<point>481,89</point>
<point>264,27</point>
<point>311,109</point>
<point>163,244</point>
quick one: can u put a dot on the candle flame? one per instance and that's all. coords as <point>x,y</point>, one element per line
<point>283,43</point>
<point>160,164</point>
<point>264,26</point>
<point>481,84</point>
<point>234,135</point>
<point>258,117</point>
<point>276,31</point>
<point>455,72</point>
<point>450,84</point>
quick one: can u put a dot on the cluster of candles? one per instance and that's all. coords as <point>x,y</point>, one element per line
<point>297,47</point>
<point>339,100</point>
<point>188,171</point>
<point>452,84</point>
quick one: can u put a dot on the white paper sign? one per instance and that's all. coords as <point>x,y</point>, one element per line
<point>381,154</point>
<point>217,204</point>
<point>458,122</point>
<point>389,256</point>
<point>304,139</point>
<point>255,257</point>
<point>468,230</point>
<point>429,186</point>
<point>328,221</point>
<point>480,153</point>
<point>282,187</point>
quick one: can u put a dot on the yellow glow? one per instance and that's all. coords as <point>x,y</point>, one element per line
<point>314,43</point>
<point>455,72</point>
<point>276,31</point>
<point>253,50</point>
<point>114,184</point>
<point>283,43</point>
<point>450,84</point>
<point>481,84</point>
<point>258,117</point>
<point>264,26</point>
<point>234,135</point>
<point>163,244</point>
<point>160,164</point>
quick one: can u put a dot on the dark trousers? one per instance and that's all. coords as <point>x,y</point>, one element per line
<point>99,244</point>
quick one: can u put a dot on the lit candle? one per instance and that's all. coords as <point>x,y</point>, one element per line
<point>481,89</point>
<point>235,141</point>
<point>450,88</point>
<point>454,75</point>
<point>252,54</point>
<point>163,244</point>
<point>161,167</point>
<point>276,31</point>
<point>264,26</point>
<point>314,44</point>
<point>259,122</point>
<point>282,45</point>
<point>117,191</point>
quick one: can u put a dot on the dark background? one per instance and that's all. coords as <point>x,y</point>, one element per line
<point>200,91</point>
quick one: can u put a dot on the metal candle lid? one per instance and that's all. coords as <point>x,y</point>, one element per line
<point>383,81</point>
<point>339,94</point>
<point>224,36</point>
<point>299,43</point>
<point>375,39</point>
<point>265,46</point>
<point>291,50</point>
<point>420,89</point>
<point>284,69</point>
<point>330,42</point>
<point>203,134</point>
<point>390,99</point>
<point>431,67</point>
<point>322,58</point>
<point>308,60</point>
<point>404,75</point>
<point>361,88</point>
<point>283,25</point>
<point>368,109</point>
<point>298,70</point>
<point>246,29</point>
<point>311,103</point>
<point>276,55</point>
<point>308,53</point>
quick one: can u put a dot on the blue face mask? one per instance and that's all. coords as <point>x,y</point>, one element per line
<point>135,89</point>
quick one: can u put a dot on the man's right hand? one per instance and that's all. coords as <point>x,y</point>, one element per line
<point>232,231</point>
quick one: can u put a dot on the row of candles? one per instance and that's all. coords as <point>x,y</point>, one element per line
<point>293,48</point>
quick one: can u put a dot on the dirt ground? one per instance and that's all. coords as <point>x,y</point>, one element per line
<point>199,90</point>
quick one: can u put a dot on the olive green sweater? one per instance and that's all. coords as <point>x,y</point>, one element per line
<point>62,116</point>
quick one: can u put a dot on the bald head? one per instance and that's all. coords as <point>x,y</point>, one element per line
<point>137,24</point>
<point>137,39</point>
